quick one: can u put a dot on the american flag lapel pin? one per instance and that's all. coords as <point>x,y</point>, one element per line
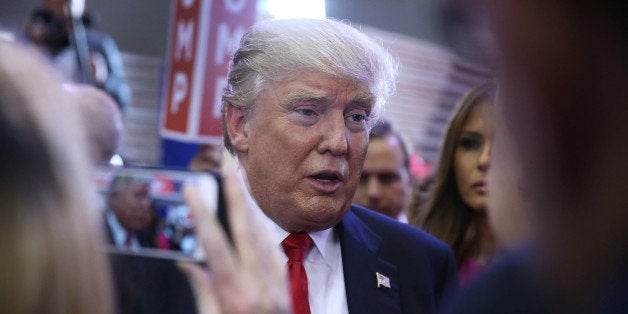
<point>382,280</point>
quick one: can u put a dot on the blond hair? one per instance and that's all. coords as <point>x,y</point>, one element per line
<point>51,241</point>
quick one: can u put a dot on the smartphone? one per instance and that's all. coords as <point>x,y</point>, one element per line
<point>144,213</point>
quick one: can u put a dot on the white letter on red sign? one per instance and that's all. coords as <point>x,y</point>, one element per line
<point>185,40</point>
<point>179,91</point>
<point>226,43</point>
<point>234,6</point>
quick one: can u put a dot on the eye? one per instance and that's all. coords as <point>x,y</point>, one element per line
<point>389,177</point>
<point>357,117</point>
<point>470,143</point>
<point>307,112</point>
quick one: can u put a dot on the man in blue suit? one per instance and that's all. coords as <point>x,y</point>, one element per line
<point>300,100</point>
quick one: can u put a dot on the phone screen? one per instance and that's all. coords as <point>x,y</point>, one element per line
<point>144,213</point>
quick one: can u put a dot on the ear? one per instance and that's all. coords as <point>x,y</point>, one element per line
<point>235,118</point>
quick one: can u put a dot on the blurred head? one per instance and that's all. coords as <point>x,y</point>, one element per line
<point>102,119</point>
<point>386,183</point>
<point>508,216</point>
<point>51,240</point>
<point>301,97</point>
<point>563,79</point>
<point>564,83</point>
<point>129,200</point>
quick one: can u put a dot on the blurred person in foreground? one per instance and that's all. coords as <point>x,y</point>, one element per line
<point>456,211</point>
<point>50,223</point>
<point>561,121</point>
<point>386,181</point>
<point>102,121</point>
<point>52,261</point>
<point>302,96</point>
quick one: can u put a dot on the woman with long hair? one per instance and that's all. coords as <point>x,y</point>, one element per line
<point>456,210</point>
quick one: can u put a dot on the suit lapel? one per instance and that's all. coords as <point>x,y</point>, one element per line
<point>361,263</point>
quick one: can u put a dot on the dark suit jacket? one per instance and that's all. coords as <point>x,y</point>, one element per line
<point>421,269</point>
<point>515,284</point>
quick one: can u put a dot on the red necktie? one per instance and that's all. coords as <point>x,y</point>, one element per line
<point>295,246</point>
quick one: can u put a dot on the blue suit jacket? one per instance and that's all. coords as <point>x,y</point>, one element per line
<point>421,269</point>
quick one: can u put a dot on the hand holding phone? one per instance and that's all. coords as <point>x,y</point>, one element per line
<point>248,276</point>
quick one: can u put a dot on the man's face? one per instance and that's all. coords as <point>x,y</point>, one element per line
<point>131,206</point>
<point>385,184</point>
<point>302,146</point>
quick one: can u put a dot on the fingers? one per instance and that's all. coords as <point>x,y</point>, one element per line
<point>254,243</point>
<point>249,278</point>
<point>257,250</point>
<point>220,258</point>
<point>239,205</point>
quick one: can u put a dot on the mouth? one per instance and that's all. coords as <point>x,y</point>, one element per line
<point>327,181</point>
<point>328,176</point>
<point>479,187</point>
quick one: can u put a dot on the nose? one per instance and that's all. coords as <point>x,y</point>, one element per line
<point>485,157</point>
<point>334,138</point>
<point>373,188</point>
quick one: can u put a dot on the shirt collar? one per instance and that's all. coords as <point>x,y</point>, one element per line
<point>323,240</point>
<point>117,231</point>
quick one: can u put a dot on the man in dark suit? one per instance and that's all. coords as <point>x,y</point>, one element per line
<point>142,284</point>
<point>129,215</point>
<point>300,100</point>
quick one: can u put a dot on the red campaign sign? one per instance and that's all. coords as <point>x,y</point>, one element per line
<point>203,36</point>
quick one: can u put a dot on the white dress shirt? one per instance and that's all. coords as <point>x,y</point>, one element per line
<point>118,232</point>
<point>325,276</point>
